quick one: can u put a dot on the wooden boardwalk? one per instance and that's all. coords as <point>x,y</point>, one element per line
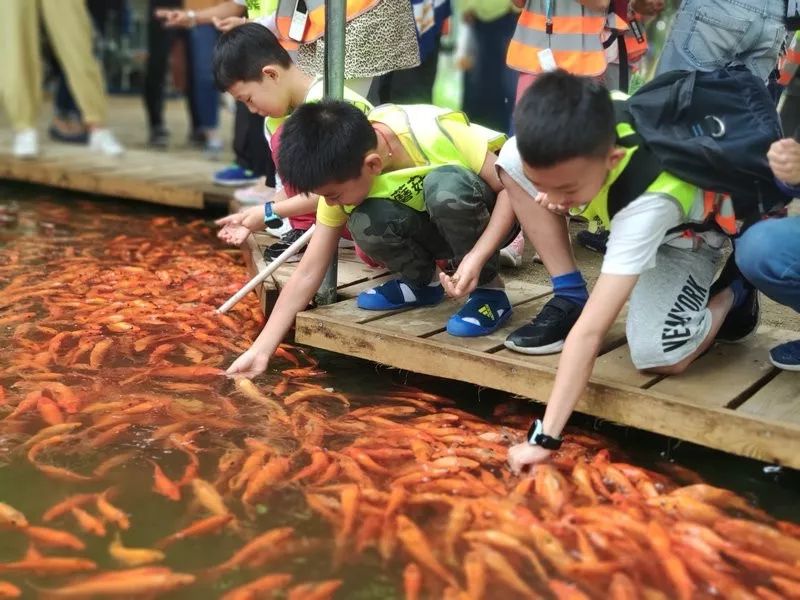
<point>174,179</point>
<point>731,399</point>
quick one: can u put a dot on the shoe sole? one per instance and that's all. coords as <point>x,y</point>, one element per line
<point>748,336</point>
<point>784,366</point>
<point>553,348</point>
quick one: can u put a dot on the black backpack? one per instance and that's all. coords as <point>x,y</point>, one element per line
<point>710,129</point>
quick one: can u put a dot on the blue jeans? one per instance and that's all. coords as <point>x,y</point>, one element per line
<point>203,94</point>
<point>709,34</point>
<point>768,255</point>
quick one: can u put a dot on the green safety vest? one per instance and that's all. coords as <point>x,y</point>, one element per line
<point>432,145</point>
<point>315,94</point>
<point>612,198</point>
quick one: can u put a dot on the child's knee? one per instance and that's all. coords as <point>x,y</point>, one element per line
<point>450,188</point>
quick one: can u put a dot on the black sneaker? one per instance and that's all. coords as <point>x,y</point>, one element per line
<point>547,332</point>
<point>159,138</point>
<point>741,322</point>
<point>287,239</point>
<point>595,241</point>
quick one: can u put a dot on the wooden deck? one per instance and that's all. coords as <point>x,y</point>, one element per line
<point>732,398</point>
<point>180,180</point>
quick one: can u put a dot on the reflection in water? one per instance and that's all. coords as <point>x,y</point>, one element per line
<point>126,452</point>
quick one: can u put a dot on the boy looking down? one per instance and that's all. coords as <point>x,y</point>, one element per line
<point>414,184</point>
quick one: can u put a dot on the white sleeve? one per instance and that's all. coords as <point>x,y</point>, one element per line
<point>511,162</point>
<point>637,231</point>
<point>240,2</point>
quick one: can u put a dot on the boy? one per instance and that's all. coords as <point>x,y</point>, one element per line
<point>414,184</point>
<point>251,64</point>
<point>569,156</point>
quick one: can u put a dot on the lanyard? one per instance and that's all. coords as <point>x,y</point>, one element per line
<point>548,10</point>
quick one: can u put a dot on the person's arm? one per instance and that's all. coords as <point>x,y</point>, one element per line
<point>182,18</point>
<point>577,360</point>
<point>236,227</point>
<point>294,297</point>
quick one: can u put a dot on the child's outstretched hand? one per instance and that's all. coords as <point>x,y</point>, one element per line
<point>249,364</point>
<point>236,227</point>
<point>464,280</point>
<point>235,235</point>
<point>523,455</point>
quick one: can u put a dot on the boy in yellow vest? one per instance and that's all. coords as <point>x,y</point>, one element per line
<point>414,184</point>
<point>251,64</point>
<point>570,156</point>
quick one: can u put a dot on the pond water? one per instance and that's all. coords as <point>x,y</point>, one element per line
<point>131,467</point>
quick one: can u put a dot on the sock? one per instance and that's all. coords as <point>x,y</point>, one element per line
<point>739,292</point>
<point>571,286</point>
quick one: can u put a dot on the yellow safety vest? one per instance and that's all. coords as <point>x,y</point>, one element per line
<point>432,148</point>
<point>315,94</point>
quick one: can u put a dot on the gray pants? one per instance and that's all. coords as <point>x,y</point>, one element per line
<point>458,205</point>
<point>709,34</point>
<point>667,314</point>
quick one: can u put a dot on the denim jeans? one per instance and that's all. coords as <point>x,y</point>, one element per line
<point>768,255</point>
<point>204,96</point>
<point>709,34</point>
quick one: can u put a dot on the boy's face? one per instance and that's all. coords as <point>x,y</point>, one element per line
<point>574,182</point>
<point>267,97</point>
<point>353,191</point>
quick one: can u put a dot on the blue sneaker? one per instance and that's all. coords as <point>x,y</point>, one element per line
<point>786,356</point>
<point>235,175</point>
<point>484,311</point>
<point>399,294</point>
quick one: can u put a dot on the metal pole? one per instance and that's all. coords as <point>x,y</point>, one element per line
<point>333,85</point>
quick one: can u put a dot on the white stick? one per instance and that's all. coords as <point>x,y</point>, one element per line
<point>277,262</point>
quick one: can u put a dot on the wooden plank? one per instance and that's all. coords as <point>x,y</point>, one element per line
<point>433,319</point>
<point>778,400</point>
<point>728,430</point>
<point>711,382</point>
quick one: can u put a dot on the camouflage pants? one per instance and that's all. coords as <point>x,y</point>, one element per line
<point>458,205</point>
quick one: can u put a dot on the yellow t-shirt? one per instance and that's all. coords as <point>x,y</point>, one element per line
<point>432,137</point>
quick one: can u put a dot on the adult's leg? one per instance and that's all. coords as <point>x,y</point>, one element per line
<point>201,40</point>
<point>70,31</point>
<point>159,41</point>
<point>21,65</point>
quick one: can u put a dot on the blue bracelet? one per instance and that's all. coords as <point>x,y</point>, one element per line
<point>271,218</point>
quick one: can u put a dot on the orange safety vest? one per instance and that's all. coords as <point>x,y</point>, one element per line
<point>791,61</point>
<point>620,25</point>
<point>573,37</point>
<point>315,23</point>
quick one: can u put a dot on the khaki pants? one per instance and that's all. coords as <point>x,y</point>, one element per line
<point>70,34</point>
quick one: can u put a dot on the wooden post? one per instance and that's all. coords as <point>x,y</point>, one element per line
<point>333,85</point>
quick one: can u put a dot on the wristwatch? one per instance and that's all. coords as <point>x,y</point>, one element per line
<point>536,437</point>
<point>271,218</point>
<point>192,16</point>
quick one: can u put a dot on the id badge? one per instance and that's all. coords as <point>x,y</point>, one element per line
<point>546,60</point>
<point>297,29</point>
<point>637,30</point>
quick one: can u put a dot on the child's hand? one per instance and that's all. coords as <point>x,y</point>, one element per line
<point>173,18</point>
<point>228,23</point>
<point>235,235</point>
<point>523,455</point>
<point>249,364</point>
<point>464,280</point>
<point>543,201</point>
<point>252,218</point>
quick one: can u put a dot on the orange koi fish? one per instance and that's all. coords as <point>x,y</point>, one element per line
<point>10,516</point>
<point>9,590</point>
<point>111,512</point>
<point>88,523</point>
<point>48,565</point>
<point>259,588</point>
<point>134,582</point>
<point>163,485</point>
<point>133,557</point>
<point>53,538</point>
<point>201,527</point>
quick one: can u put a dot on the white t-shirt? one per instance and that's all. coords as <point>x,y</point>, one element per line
<point>637,230</point>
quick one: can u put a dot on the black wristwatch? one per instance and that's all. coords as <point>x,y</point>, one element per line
<point>537,438</point>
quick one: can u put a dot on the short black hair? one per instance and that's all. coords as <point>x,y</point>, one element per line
<point>243,51</point>
<point>322,142</point>
<point>563,116</point>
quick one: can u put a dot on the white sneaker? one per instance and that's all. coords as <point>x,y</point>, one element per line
<point>103,141</point>
<point>511,255</point>
<point>26,144</point>
<point>254,195</point>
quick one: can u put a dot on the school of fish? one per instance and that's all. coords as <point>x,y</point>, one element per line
<point>112,371</point>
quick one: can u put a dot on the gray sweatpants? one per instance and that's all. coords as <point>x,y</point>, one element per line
<point>667,314</point>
